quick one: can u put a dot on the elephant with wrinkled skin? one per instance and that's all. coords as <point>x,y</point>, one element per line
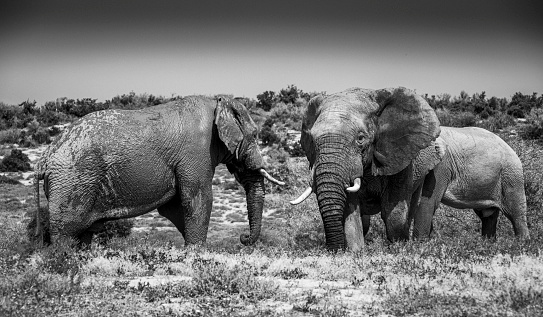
<point>479,171</point>
<point>116,164</point>
<point>368,151</point>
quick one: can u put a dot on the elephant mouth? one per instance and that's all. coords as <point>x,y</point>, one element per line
<point>354,187</point>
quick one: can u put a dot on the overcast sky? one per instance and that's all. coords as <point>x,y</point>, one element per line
<point>101,49</point>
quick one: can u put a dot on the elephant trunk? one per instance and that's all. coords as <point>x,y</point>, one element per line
<point>254,191</point>
<point>331,198</point>
<point>331,175</point>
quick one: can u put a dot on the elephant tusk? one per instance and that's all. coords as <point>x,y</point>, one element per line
<point>355,187</point>
<point>303,196</point>
<point>270,178</point>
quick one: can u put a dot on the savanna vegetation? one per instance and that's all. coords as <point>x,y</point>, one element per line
<point>288,272</point>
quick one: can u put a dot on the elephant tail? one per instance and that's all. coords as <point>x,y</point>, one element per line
<point>37,229</point>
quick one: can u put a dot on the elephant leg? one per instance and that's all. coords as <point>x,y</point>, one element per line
<point>354,233</point>
<point>489,219</point>
<point>514,208</point>
<point>174,212</point>
<point>196,207</point>
<point>429,197</point>
<point>366,222</point>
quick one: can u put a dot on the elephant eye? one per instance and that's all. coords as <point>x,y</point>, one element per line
<point>361,139</point>
<point>361,136</point>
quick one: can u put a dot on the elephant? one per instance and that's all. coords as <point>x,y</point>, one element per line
<point>368,152</point>
<point>479,171</point>
<point>115,164</point>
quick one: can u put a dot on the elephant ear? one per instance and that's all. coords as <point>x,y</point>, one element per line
<point>228,125</point>
<point>405,125</point>
<point>306,140</point>
<point>428,158</point>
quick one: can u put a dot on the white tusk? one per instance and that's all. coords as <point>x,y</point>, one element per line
<point>271,179</point>
<point>302,197</point>
<point>355,187</point>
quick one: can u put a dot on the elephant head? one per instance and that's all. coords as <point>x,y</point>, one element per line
<point>359,132</point>
<point>242,157</point>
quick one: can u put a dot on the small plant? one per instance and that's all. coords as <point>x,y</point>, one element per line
<point>289,274</point>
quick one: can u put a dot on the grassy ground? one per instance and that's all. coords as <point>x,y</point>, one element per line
<point>287,273</point>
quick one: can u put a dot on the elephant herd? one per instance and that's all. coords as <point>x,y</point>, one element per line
<point>369,151</point>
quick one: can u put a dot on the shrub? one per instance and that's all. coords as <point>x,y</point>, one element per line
<point>212,278</point>
<point>10,136</point>
<point>266,100</point>
<point>533,130</point>
<point>294,149</point>
<point>48,117</point>
<point>7,180</point>
<point>515,111</point>
<point>463,119</point>
<point>16,161</point>
<point>277,163</point>
<point>288,116</point>
<point>497,122</point>
<point>35,135</point>
<point>268,136</point>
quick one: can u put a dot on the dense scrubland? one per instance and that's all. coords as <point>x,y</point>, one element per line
<point>288,272</point>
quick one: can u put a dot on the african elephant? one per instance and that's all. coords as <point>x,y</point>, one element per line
<point>479,171</point>
<point>362,147</point>
<point>116,164</point>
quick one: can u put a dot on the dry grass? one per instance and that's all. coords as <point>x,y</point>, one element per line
<point>288,272</point>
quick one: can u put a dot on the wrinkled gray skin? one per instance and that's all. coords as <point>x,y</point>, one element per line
<point>479,171</point>
<point>116,164</point>
<point>374,135</point>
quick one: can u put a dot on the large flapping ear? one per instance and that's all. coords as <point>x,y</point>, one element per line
<point>228,125</point>
<point>306,140</point>
<point>405,125</point>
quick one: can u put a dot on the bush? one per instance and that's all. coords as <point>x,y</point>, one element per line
<point>268,135</point>
<point>34,135</point>
<point>15,162</point>
<point>533,130</point>
<point>276,159</point>
<point>294,149</point>
<point>455,119</point>
<point>10,136</point>
<point>266,100</point>
<point>7,180</point>
<point>212,278</point>
<point>47,117</point>
<point>515,111</point>
<point>497,122</point>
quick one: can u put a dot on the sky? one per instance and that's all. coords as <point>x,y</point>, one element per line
<point>101,49</point>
